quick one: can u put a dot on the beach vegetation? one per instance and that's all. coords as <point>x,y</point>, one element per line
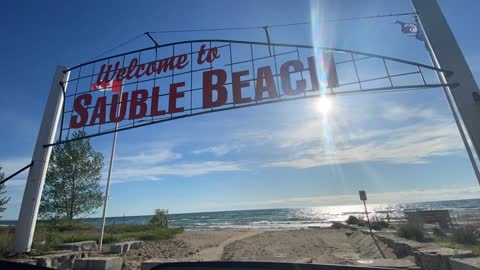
<point>160,218</point>
<point>466,234</point>
<point>3,199</point>
<point>72,185</point>
<point>49,235</point>
<point>378,225</point>
<point>352,220</point>
<point>412,232</point>
<point>361,223</point>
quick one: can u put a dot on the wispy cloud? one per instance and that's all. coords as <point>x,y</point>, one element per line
<point>397,134</point>
<point>410,144</point>
<point>135,173</point>
<point>218,150</point>
<point>10,166</point>
<point>397,112</point>
<point>153,165</point>
<point>381,197</point>
<point>152,157</point>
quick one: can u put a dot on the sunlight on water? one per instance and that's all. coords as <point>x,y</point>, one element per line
<point>462,211</point>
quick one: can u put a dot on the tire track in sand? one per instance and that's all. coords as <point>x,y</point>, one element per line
<point>215,253</point>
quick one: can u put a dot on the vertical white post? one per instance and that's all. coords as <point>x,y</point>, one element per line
<point>108,184</point>
<point>41,155</point>
<point>107,190</point>
<point>446,54</point>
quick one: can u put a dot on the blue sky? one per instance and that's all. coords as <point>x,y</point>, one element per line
<point>397,146</point>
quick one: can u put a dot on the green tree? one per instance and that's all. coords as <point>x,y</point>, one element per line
<point>160,218</point>
<point>72,185</point>
<point>3,199</point>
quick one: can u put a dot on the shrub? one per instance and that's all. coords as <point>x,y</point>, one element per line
<point>378,225</point>
<point>121,228</point>
<point>352,220</point>
<point>412,232</point>
<point>160,218</point>
<point>361,223</point>
<point>63,226</point>
<point>466,234</point>
<point>7,235</point>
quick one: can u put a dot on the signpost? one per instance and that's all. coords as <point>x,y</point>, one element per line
<point>363,197</point>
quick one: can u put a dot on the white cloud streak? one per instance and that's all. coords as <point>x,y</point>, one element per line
<point>321,142</point>
<point>381,197</point>
<point>217,150</point>
<point>123,174</point>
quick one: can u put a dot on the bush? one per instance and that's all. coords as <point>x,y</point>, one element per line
<point>466,234</point>
<point>63,226</point>
<point>412,232</point>
<point>160,218</point>
<point>378,225</point>
<point>352,220</point>
<point>158,234</point>
<point>7,238</point>
<point>361,223</point>
<point>121,228</point>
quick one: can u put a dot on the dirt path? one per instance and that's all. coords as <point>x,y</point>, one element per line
<point>322,246</point>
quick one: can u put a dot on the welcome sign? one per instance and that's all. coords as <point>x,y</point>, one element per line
<point>136,89</point>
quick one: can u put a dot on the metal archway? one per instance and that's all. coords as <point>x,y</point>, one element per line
<point>338,72</point>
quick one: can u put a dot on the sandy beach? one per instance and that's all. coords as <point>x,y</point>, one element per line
<point>316,245</point>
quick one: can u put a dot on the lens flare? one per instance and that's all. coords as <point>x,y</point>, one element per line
<point>324,105</point>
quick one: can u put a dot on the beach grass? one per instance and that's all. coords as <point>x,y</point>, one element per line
<point>49,235</point>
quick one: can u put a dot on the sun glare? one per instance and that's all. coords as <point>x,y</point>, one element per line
<point>323,105</point>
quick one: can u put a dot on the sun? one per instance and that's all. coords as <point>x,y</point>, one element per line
<point>323,105</point>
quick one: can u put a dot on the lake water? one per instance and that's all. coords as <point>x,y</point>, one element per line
<point>462,211</point>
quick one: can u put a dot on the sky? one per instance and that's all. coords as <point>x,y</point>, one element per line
<point>398,147</point>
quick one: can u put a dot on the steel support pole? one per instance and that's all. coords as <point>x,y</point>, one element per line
<point>445,53</point>
<point>107,189</point>
<point>110,167</point>
<point>451,103</point>
<point>32,195</point>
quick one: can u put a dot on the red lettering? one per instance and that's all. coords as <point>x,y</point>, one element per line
<point>172,98</point>
<point>182,61</point>
<point>81,111</point>
<point>165,64</point>
<point>116,116</point>
<point>212,54</point>
<point>237,86</point>
<point>99,111</point>
<point>139,98</point>
<point>140,68</point>
<point>121,74</point>
<point>201,52</point>
<point>287,81</point>
<point>106,77</point>
<point>131,68</point>
<point>155,98</point>
<point>209,86</point>
<point>265,74</point>
<point>312,68</point>
<point>332,70</point>
<point>151,68</point>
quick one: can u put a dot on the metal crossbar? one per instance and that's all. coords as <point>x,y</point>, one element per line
<point>353,68</point>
